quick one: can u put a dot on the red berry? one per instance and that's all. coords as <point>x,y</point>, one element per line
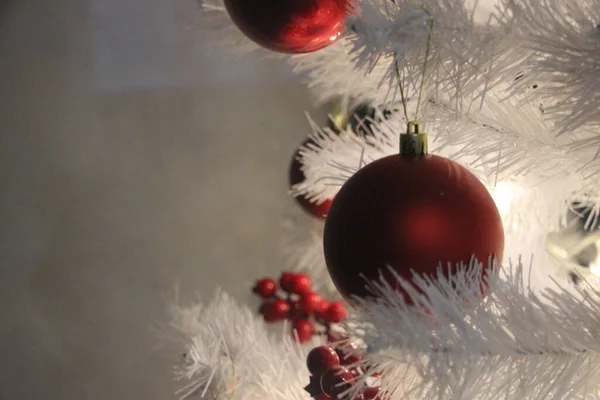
<point>304,329</point>
<point>296,311</point>
<point>348,355</point>
<point>371,393</point>
<point>301,284</point>
<point>336,380</point>
<point>310,302</point>
<point>322,308</point>
<point>280,309</point>
<point>320,359</point>
<point>336,312</point>
<point>286,280</point>
<point>265,287</point>
<point>274,311</point>
<point>355,372</point>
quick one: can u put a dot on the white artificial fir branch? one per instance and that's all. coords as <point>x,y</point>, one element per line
<point>450,344</point>
<point>561,43</point>
<point>463,49</point>
<point>230,353</point>
<point>302,249</point>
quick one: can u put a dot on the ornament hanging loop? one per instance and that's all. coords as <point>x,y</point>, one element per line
<point>413,143</point>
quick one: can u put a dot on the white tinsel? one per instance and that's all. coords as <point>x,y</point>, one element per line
<point>561,40</point>
<point>500,143</point>
<point>451,345</point>
<point>231,354</point>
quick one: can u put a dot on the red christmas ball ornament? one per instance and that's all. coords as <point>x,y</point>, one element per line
<point>320,359</point>
<point>417,211</point>
<point>289,26</point>
<point>304,329</point>
<point>296,175</point>
<point>265,287</point>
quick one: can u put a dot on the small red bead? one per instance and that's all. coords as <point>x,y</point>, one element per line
<point>301,284</point>
<point>286,280</point>
<point>322,308</point>
<point>320,359</point>
<point>348,355</point>
<point>266,311</point>
<point>274,311</point>
<point>304,330</point>
<point>336,312</point>
<point>371,393</point>
<point>336,380</point>
<point>265,287</point>
<point>310,302</point>
<point>281,309</point>
<point>296,311</point>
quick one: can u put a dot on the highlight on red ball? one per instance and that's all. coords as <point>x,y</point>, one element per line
<point>292,298</point>
<point>290,26</point>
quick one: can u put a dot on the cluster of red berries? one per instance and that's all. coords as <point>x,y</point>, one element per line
<point>296,301</point>
<point>333,371</point>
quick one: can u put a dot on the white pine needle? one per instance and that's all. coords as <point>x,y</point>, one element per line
<point>230,354</point>
<point>516,344</point>
<point>561,40</point>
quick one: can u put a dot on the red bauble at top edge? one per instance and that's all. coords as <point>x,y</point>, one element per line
<point>290,26</point>
<point>409,213</point>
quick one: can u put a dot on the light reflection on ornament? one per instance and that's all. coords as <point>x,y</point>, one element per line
<point>504,194</point>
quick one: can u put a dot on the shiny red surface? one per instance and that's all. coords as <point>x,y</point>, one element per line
<point>289,26</point>
<point>409,213</point>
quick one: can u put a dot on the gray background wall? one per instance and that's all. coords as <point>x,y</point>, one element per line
<point>129,162</point>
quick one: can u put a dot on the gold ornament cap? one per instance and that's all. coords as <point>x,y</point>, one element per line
<point>413,143</point>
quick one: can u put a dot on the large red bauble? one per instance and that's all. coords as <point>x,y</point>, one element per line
<point>297,176</point>
<point>410,214</point>
<point>290,26</point>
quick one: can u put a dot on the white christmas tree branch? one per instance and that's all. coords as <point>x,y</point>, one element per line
<point>561,40</point>
<point>231,354</point>
<point>451,344</point>
<point>303,251</point>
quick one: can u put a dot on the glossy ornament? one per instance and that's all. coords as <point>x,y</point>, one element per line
<point>320,359</point>
<point>409,212</point>
<point>290,26</point>
<point>297,176</point>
